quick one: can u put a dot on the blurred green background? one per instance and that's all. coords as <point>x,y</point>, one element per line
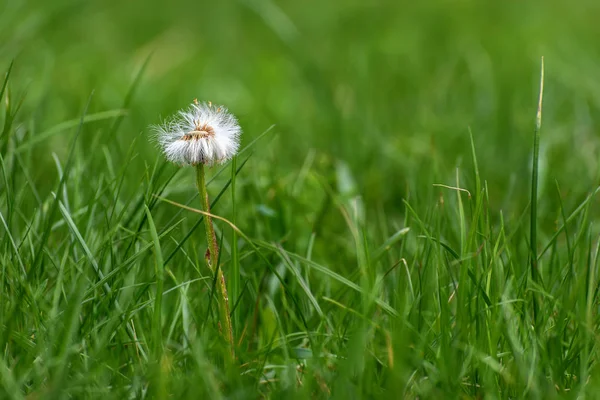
<point>389,87</point>
<point>370,98</point>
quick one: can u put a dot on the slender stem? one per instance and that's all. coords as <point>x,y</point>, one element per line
<point>211,237</point>
<point>212,259</point>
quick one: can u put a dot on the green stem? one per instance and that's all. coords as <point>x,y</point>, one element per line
<point>212,259</point>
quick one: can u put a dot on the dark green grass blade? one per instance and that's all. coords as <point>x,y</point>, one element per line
<point>580,209</point>
<point>6,78</point>
<point>235,275</point>
<point>159,272</point>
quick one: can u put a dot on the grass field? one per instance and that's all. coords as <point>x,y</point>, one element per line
<point>382,200</point>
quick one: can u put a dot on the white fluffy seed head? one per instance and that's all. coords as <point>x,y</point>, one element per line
<point>202,134</point>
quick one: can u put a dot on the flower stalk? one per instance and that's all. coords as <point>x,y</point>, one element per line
<point>212,260</point>
<point>204,135</point>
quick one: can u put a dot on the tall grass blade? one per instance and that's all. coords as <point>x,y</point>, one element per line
<point>534,193</point>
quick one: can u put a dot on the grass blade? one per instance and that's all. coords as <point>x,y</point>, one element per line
<point>534,187</point>
<point>6,77</point>
<point>159,271</point>
<point>39,254</point>
<point>534,179</point>
<point>65,126</point>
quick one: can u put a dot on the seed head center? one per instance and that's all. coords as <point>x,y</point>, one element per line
<point>200,132</point>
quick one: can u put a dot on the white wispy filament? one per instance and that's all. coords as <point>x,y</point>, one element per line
<point>202,134</point>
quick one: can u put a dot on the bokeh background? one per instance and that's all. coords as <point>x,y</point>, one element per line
<point>366,105</point>
<point>388,87</point>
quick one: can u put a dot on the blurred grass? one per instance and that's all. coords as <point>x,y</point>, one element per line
<point>372,105</point>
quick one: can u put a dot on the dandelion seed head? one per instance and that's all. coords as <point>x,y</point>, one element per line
<point>201,134</point>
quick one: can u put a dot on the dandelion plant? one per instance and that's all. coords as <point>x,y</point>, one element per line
<point>204,135</point>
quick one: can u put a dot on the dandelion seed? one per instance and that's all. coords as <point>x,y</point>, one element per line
<point>201,134</point>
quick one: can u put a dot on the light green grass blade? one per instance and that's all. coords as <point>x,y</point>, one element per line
<point>88,253</point>
<point>37,260</point>
<point>301,281</point>
<point>67,125</point>
<point>534,180</point>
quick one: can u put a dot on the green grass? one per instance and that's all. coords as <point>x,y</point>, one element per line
<point>376,229</point>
